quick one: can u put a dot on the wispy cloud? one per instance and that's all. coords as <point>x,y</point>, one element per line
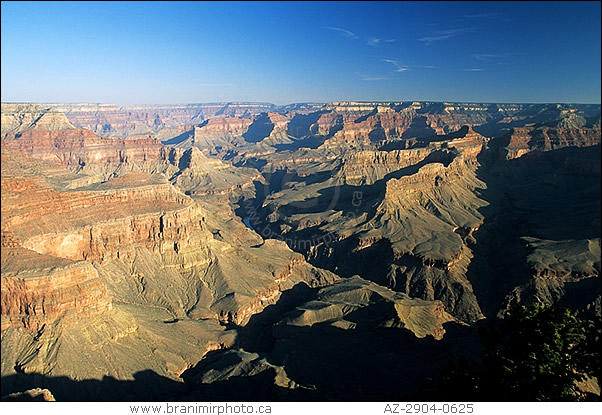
<point>443,35</point>
<point>347,33</point>
<point>398,66</point>
<point>373,41</point>
<point>474,69</point>
<point>488,57</point>
<point>366,77</point>
<point>389,40</point>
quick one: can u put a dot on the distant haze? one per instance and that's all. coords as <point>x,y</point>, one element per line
<point>282,52</point>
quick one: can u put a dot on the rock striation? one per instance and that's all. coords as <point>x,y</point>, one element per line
<point>104,250</point>
<point>53,138</point>
<point>37,297</point>
<point>204,247</point>
<point>524,140</point>
<point>111,121</point>
<point>355,302</point>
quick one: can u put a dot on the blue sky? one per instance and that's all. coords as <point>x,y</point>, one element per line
<point>283,52</point>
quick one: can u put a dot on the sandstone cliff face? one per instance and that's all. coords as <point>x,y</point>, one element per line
<point>154,224</point>
<point>111,121</point>
<point>132,228</point>
<point>109,268</point>
<point>43,227</point>
<point>279,121</point>
<point>220,134</point>
<point>525,140</point>
<point>78,148</point>
<point>117,238</point>
<point>437,200</point>
<point>19,117</point>
<point>231,125</point>
<point>40,290</point>
<point>34,298</point>
<point>468,142</point>
<point>366,167</point>
<point>329,123</point>
<point>111,246</point>
<point>202,176</point>
<point>95,225</point>
<point>390,120</point>
<point>415,210</point>
<point>115,219</point>
<point>366,123</point>
<point>215,135</point>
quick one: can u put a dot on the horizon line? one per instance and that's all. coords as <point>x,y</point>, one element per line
<point>303,102</point>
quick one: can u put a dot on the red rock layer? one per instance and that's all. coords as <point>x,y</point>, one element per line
<point>525,140</point>
<point>79,147</point>
<point>32,299</point>
<point>231,125</point>
<point>98,225</point>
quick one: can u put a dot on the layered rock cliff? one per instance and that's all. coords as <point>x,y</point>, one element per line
<point>111,121</point>
<point>52,138</point>
<point>410,219</point>
<point>420,215</point>
<point>37,297</point>
<point>125,260</point>
<point>524,140</point>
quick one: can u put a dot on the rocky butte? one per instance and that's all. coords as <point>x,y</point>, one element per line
<point>205,251</point>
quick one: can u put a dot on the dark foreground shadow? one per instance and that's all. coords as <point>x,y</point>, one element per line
<point>552,195</point>
<point>321,362</point>
<point>324,362</point>
<point>146,386</point>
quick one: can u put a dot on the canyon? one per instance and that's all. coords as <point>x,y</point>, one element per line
<point>190,251</point>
